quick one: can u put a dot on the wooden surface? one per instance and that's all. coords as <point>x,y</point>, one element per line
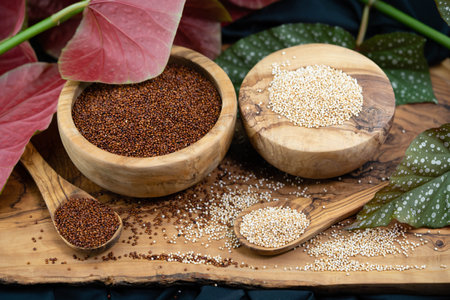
<point>153,176</point>
<point>23,215</point>
<point>317,152</point>
<point>321,217</point>
<point>55,191</point>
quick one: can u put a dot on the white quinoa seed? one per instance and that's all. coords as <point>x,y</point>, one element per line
<point>337,252</point>
<point>273,226</point>
<point>215,212</point>
<point>207,217</point>
<point>314,96</point>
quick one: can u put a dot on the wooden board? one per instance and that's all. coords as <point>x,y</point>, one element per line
<point>23,216</point>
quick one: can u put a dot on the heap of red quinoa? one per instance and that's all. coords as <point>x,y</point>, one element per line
<point>85,222</point>
<point>152,118</point>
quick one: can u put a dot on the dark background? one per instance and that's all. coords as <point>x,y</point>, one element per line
<point>342,13</point>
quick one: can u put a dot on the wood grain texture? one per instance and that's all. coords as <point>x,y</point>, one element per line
<point>153,176</point>
<point>56,191</point>
<point>23,215</point>
<point>320,217</point>
<point>317,152</point>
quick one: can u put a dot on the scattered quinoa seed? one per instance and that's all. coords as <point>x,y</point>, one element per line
<point>204,216</point>
<point>335,251</point>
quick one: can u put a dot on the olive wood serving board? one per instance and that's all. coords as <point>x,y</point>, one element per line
<point>28,238</point>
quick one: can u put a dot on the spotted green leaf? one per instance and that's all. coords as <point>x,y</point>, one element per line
<point>238,59</point>
<point>400,55</point>
<point>444,9</point>
<point>418,191</point>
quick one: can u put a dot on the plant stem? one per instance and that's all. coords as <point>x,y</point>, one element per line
<point>52,21</point>
<point>411,22</point>
<point>363,25</point>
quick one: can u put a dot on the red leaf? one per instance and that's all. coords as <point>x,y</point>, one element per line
<point>200,35</point>
<point>12,15</point>
<point>235,11</point>
<point>206,9</point>
<point>54,39</point>
<point>121,41</point>
<point>200,26</point>
<point>41,9</point>
<point>253,4</point>
<point>17,56</point>
<point>27,103</point>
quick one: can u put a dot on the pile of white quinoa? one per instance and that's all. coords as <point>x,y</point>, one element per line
<point>273,227</point>
<point>314,96</point>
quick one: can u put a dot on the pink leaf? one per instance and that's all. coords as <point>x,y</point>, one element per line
<point>27,103</point>
<point>41,9</point>
<point>253,4</point>
<point>200,26</point>
<point>54,39</point>
<point>200,35</point>
<point>235,11</point>
<point>17,56</point>
<point>206,9</point>
<point>12,15</point>
<point>121,41</point>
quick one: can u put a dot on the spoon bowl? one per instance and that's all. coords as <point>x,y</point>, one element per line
<point>321,217</point>
<point>56,191</point>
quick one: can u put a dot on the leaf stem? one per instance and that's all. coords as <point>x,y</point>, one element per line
<point>364,23</point>
<point>410,22</point>
<point>52,21</point>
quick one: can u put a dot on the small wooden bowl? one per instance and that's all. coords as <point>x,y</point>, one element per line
<point>153,176</point>
<point>317,152</point>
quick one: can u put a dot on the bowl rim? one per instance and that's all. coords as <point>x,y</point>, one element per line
<point>217,132</point>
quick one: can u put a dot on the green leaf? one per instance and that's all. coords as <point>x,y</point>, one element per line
<point>444,9</point>
<point>418,191</point>
<point>400,55</point>
<point>238,59</point>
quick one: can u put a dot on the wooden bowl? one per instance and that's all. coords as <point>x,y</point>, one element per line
<point>153,176</point>
<point>317,152</point>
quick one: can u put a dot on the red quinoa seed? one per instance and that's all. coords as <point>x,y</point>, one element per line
<point>86,222</point>
<point>152,118</point>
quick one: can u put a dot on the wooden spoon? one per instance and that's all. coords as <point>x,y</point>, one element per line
<point>321,217</point>
<point>55,191</point>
